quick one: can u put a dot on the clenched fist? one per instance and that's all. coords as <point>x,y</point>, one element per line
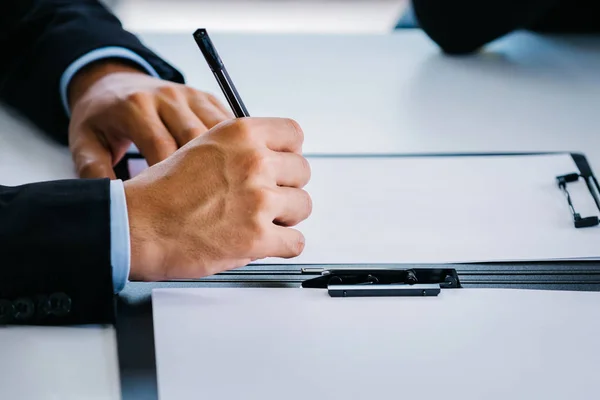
<point>114,105</point>
<point>225,199</point>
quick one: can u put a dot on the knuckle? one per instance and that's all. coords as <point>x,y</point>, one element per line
<point>255,163</point>
<point>86,168</point>
<point>241,128</point>
<point>196,95</point>
<point>137,98</point>
<point>75,143</point>
<point>296,130</point>
<point>193,92</point>
<point>169,91</point>
<point>210,97</point>
<point>261,199</point>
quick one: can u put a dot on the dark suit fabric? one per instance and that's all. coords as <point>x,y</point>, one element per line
<point>464,26</point>
<point>55,253</point>
<point>55,263</point>
<point>39,39</point>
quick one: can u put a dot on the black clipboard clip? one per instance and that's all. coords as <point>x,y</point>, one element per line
<point>384,282</point>
<point>578,220</point>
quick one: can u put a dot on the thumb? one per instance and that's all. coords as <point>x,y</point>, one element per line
<point>92,158</point>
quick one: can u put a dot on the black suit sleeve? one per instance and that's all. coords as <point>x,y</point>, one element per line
<point>55,253</point>
<point>55,237</point>
<point>39,39</point>
<point>464,26</point>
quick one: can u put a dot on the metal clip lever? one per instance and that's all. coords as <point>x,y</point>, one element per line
<point>578,220</point>
<point>425,289</point>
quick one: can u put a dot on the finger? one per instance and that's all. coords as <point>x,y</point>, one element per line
<point>217,103</point>
<point>225,109</point>
<point>153,139</point>
<point>183,124</point>
<point>209,110</point>
<point>291,170</point>
<point>285,135</point>
<point>285,243</point>
<point>92,158</point>
<point>293,206</point>
<point>279,134</point>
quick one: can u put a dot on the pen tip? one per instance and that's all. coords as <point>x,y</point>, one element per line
<point>200,32</point>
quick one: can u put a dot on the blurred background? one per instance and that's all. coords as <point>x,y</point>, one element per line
<point>314,16</point>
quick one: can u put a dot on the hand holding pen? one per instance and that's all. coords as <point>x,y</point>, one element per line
<point>227,198</point>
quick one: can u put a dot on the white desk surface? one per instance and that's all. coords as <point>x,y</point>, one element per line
<point>351,94</point>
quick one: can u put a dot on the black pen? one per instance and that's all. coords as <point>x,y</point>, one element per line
<point>218,69</point>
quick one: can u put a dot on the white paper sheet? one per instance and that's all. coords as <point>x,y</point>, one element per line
<point>298,344</point>
<point>135,166</point>
<point>444,209</point>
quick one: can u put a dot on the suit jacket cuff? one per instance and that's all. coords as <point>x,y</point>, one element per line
<point>55,241</point>
<point>98,55</point>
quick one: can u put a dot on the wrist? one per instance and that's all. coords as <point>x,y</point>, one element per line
<point>147,255</point>
<point>92,73</point>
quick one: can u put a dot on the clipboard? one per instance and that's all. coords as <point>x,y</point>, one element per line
<point>136,357</point>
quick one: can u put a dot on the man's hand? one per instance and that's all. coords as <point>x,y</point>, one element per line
<point>225,199</point>
<point>114,104</point>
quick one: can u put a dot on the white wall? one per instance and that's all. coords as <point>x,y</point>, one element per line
<point>333,16</point>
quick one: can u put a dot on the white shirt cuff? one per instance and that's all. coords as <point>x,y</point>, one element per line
<point>120,253</point>
<point>96,55</point>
